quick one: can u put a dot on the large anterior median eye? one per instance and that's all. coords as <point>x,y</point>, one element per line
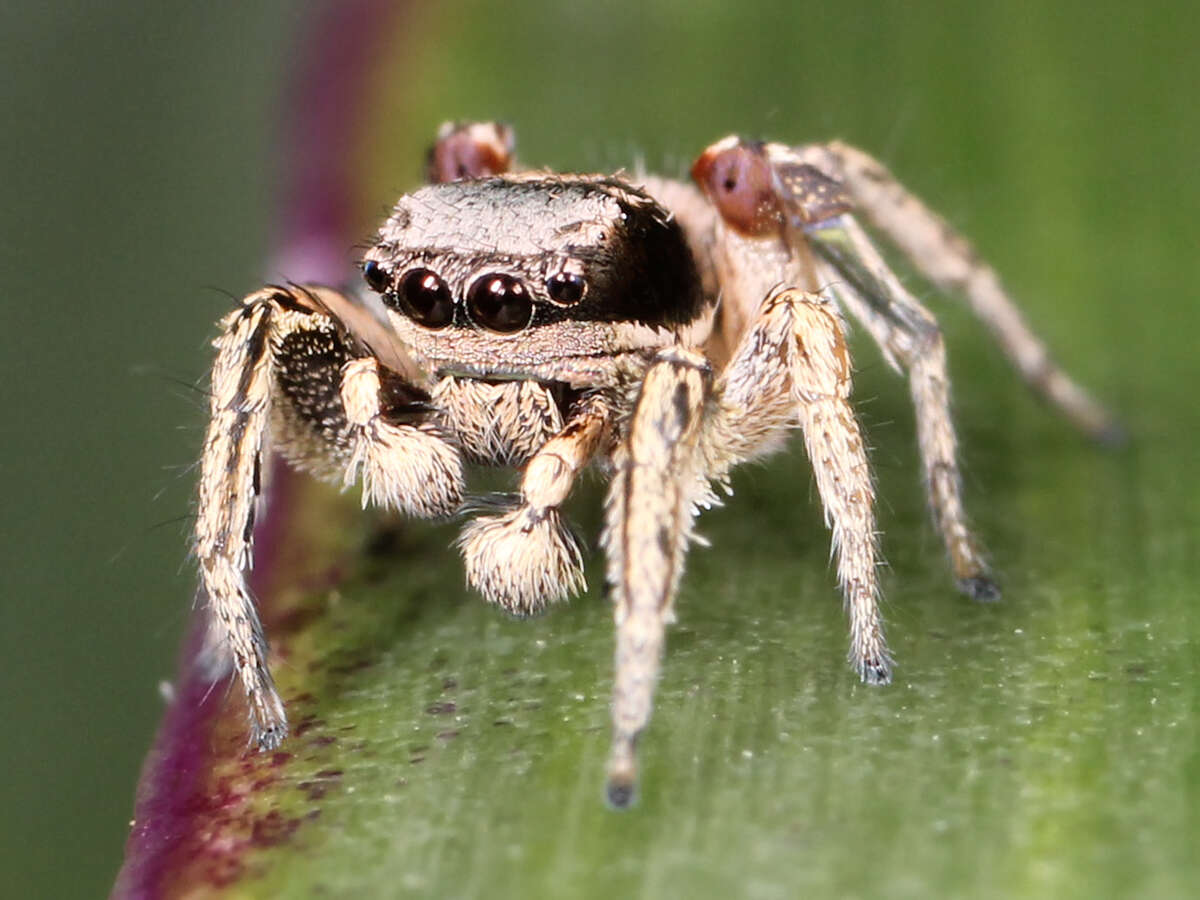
<point>500,303</point>
<point>425,298</point>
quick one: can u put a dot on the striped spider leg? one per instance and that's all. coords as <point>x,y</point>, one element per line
<point>810,194</point>
<point>289,378</point>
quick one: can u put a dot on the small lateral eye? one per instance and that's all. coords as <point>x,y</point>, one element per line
<point>425,298</point>
<point>376,276</point>
<point>500,303</point>
<point>566,287</point>
<point>738,181</point>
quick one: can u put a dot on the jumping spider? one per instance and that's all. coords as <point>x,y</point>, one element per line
<point>665,331</point>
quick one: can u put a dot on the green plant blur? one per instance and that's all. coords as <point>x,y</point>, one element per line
<point>1043,747</point>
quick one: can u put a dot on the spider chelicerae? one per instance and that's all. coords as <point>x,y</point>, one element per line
<point>661,330</point>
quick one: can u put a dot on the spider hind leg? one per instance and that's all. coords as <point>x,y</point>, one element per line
<point>949,260</point>
<point>911,340</point>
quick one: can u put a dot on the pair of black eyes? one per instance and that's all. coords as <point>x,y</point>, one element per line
<point>498,302</point>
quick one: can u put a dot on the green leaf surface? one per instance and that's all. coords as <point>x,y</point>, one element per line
<point>1045,746</point>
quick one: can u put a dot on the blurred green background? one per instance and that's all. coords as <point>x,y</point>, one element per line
<point>1044,747</point>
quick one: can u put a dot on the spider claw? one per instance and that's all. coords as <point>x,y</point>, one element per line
<point>1113,435</point>
<point>268,737</point>
<point>620,788</point>
<point>980,588</point>
<point>876,671</point>
<point>619,793</point>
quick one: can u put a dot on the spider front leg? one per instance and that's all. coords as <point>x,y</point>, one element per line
<point>648,521</point>
<point>231,470</point>
<point>526,557</point>
<point>793,364</point>
<point>286,378</point>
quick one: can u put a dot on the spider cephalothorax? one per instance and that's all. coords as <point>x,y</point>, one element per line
<point>664,331</point>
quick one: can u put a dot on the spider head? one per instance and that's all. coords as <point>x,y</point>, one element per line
<point>495,275</point>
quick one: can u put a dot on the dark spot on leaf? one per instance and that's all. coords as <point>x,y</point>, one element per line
<point>272,829</point>
<point>443,708</point>
<point>321,783</point>
<point>314,790</point>
<point>349,668</point>
<point>295,619</point>
<point>307,724</point>
<point>224,871</point>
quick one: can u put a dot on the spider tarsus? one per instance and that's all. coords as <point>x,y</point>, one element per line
<point>876,671</point>
<point>269,737</point>
<point>619,792</point>
<point>1112,435</point>
<point>980,588</point>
